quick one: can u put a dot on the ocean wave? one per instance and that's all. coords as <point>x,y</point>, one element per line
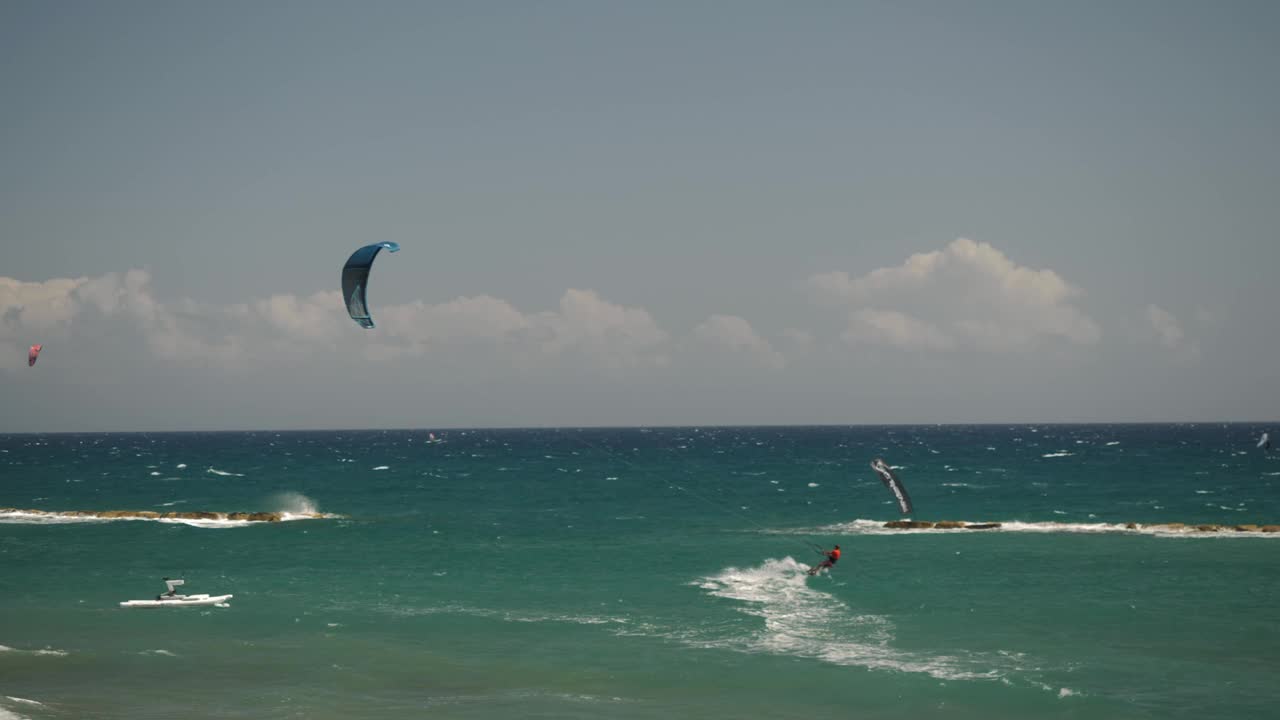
<point>195,518</point>
<point>1170,529</point>
<point>223,473</point>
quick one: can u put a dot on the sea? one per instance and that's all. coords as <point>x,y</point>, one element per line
<point>644,573</point>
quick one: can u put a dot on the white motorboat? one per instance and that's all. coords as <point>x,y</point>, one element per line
<point>173,599</point>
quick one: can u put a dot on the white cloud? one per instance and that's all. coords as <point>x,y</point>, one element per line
<point>463,320</point>
<point>1168,331</point>
<point>38,305</point>
<point>586,327</point>
<point>733,334</point>
<point>968,294</point>
<point>314,318</point>
<point>282,329</point>
<point>1164,328</point>
<point>586,324</point>
<point>894,328</point>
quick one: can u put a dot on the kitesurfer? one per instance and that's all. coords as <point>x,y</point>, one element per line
<point>833,557</point>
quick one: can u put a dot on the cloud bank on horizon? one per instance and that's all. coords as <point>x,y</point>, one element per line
<point>966,296</point>
<point>962,333</point>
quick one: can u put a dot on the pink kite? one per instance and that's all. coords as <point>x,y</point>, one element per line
<point>33,354</point>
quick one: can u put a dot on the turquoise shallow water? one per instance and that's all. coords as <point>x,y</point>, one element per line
<point>644,573</point>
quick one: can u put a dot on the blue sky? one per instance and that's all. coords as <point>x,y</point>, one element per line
<point>638,213</point>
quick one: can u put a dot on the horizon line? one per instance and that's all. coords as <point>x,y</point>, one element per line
<point>674,426</point>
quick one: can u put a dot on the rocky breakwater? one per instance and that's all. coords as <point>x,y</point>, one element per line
<point>153,515</point>
<point>1175,527</point>
<point>940,525</point>
<point>1204,528</point>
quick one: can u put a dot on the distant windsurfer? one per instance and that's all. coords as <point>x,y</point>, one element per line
<point>833,557</point>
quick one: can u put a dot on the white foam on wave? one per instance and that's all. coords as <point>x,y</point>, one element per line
<point>24,518</point>
<point>55,518</point>
<point>876,527</point>
<point>24,701</point>
<point>223,473</point>
<point>800,621</point>
<point>1060,453</point>
<point>207,524</point>
<point>42,651</point>
<point>383,467</point>
<point>181,466</point>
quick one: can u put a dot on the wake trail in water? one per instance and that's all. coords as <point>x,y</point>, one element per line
<point>799,620</point>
